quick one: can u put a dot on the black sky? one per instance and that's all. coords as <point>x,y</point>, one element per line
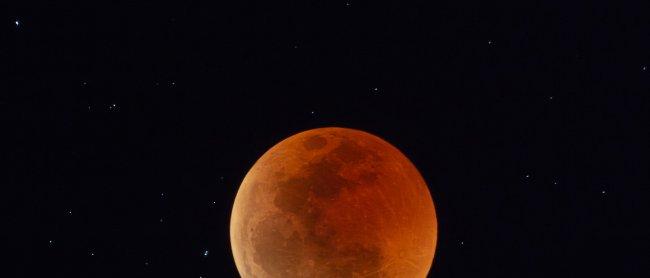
<point>529,122</point>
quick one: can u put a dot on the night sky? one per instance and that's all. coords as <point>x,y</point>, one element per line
<point>126,128</point>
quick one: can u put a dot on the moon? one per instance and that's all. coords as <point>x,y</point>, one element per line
<point>333,202</point>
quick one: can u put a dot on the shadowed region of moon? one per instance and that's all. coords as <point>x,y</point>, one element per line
<point>333,202</point>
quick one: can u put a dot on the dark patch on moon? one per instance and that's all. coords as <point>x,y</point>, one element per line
<point>350,152</point>
<point>315,142</point>
<point>292,195</point>
<point>320,180</point>
<point>324,179</point>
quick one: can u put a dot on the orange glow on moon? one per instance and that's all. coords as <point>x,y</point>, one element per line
<point>333,202</point>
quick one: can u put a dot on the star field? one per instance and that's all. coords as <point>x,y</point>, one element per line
<point>128,127</point>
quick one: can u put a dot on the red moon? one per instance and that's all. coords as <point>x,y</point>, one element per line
<point>333,202</point>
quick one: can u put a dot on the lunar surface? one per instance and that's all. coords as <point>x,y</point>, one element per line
<point>333,202</point>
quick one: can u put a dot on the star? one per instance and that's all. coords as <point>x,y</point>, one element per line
<point>644,68</point>
<point>92,253</point>
<point>146,263</point>
<point>205,253</point>
<point>312,112</point>
<point>527,176</point>
<point>161,220</point>
<point>603,192</point>
<point>489,42</point>
<point>550,98</point>
<point>462,242</point>
<point>69,212</point>
<point>348,4</point>
<point>17,22</point>
<point>162,195</point>
<point>51,243</point>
